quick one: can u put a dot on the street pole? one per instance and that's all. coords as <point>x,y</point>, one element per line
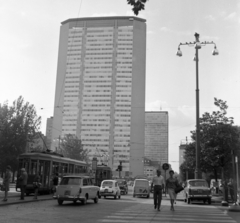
<point>197,173</point>
<point>215,52</point>
<point>236,159</point>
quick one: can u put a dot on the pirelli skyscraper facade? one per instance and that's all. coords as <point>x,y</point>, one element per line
<point>100,89</point>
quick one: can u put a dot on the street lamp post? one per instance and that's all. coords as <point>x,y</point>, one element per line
<point>198,46</point>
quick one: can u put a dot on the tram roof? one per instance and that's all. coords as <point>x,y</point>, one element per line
<point>53,157</point>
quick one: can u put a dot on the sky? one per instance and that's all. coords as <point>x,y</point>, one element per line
<point>29,48</point>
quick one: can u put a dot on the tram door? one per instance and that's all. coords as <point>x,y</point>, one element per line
<point>44,171</point>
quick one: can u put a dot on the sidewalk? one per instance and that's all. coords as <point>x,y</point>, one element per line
<point>14,198</point>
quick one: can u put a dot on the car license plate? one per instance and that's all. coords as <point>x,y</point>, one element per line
<point>67,192</point>
<point>106,190</point>
<point>199,191</point>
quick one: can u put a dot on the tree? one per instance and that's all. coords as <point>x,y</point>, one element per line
<point>19,124</point>
<point>138,5</point>
<point>218,139</point>
<point>72,148</point>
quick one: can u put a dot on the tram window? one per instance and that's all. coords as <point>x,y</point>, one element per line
<point>64,168</point>
<point>71,168</point>
<point>33,168</point>
<point>55,167</point>
<point>85,182</point>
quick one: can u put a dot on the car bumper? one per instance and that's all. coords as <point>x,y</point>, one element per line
<point>200,196</point>
<point>70,198</point>
<point>107,194</point>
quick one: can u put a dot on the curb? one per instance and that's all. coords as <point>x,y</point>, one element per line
<point>25,201</point>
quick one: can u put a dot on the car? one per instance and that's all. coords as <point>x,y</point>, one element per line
<point>123,186</point>
<point>110,188</point>
<point>197,189</point>
<point>141,188</point>
<point>1,183</point>
<point>77,188</point>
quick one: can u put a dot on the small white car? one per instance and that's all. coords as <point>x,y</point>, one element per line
<point>77,188</point>
<point>110,188</point>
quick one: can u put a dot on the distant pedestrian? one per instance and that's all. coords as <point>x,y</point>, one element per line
<point>36,185</point>
<point>23,182</point>
<point>6,182</point>
<point>158,186</point>
<point>171,185</point>
<point>55,184</point>
<point>231,189</point>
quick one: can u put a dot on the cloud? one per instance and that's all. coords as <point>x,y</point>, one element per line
<point>210,38</point>
<point>178,116</point>
<point>210,17</point>
<point>150,32</point>
<point>182,33</point>
<point>231,16</point>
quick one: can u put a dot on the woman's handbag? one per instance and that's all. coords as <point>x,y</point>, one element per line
<point>178,189</point>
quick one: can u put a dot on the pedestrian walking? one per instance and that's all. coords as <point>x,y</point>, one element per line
<point>36,184</point>
<point>231,189</point>
<point>23,182</point>
<point>157,186</point>
<point>171,185</point>
<point>55,184</point>
<point>6,182</point>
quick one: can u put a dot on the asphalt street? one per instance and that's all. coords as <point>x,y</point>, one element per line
<point>127,209</point>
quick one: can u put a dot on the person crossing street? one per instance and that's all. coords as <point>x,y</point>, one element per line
<point>158,185</point>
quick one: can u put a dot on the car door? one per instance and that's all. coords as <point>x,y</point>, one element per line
<point>92,188</point>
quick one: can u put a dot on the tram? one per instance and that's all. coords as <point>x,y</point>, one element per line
<point>103,172</point>
<point>46,164</point>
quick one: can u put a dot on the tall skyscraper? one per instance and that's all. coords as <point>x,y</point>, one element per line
<point>156,136</point>
<point>100,88</point>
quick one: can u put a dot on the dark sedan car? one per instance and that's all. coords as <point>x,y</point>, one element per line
<point>123,186</point>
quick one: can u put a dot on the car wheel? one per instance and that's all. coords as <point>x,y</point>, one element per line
<point>74,202</point>
<point>189,200</point>
<point>209,201</point>
<point>99,196</point>
<point>115,196</point>
<point>60,202</point>
<point>204,201</point>
<point>105,197</point>
<point>119,196</point>
<point>133,195</point>
<point>96,200</point>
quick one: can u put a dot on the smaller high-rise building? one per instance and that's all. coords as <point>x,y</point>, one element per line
<point>49,132</point>
<point>156,136</point>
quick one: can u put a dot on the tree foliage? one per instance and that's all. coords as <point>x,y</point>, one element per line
<point>19,124</point>
<point>218,140</point>
<point>72,148</point>
<point>138,5</point>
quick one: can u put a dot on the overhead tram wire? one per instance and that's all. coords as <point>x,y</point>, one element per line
<point>68,57</point>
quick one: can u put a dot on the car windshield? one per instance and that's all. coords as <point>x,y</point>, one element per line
<point>121,181</point>
<point>141,183</point>
<point>107,183</point>
<point>70,181</point>
<point>198,183</point>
